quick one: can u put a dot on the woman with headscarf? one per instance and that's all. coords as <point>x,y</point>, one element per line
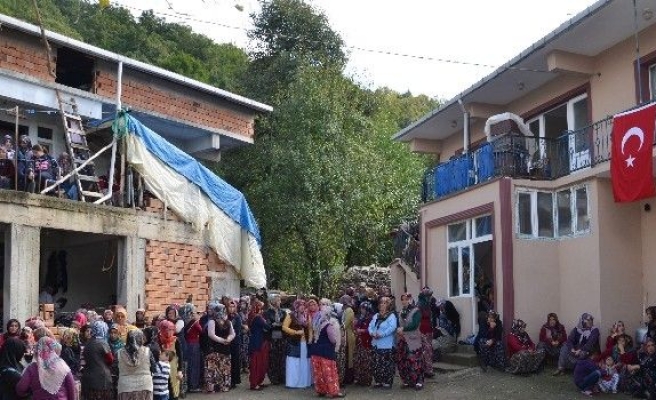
<point>13,330</point>
<point>49,378</point>
<point>409,349</point>
<point>552,337</point>
<point>642,382</point>
<point>70,353</point>
<point>382,328</point>
<point>235,344</point>
<point>121,321</point>
<point>79,320</point>
<point>448,324</point>
<point>167,341</point>
<point>524,357</point>
<point>140,318</point>
<point>134,365</point>
<point>298,373</point>
<point>193,359</point>
<point>363,353</point>
<point>582,341</point>
<point>220,333</point>
<point>348,338</point>
<point>275,315</point>
<point>11,368</point>
<point>96,376</point>
<point>258,346</point>
<point>491,348</point>
<point>322,354</point>
<point>244,304</point>
<point>429,313</point>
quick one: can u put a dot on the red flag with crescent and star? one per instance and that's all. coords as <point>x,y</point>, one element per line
<point>631,169</point>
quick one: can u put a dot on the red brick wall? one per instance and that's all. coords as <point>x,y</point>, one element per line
<point>176,270</point>
<point>23,54</point>
<point>148,95</point>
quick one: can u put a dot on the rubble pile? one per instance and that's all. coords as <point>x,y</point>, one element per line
<point>372,275</point>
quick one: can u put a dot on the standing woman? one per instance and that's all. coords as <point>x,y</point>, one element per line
<point>134,364</point>
<point>258,346</point>
<point>298,372</point>
<point>322,351</point>
<point>244,305</point>
<point>121,321</point>
<point>348,318</point>
<point>275,316</point>
<point>382,328</point>
<point>411,362</point>
<point>363,352</point>
<point>429,313</point>
<point>167,341</point>
<point>11,368</point>
<point>193,358</point>
<point>49,378</point>
<point>217,361</point>
<point>96,375</point>
<point>235,344</point>
<point>13,330</point>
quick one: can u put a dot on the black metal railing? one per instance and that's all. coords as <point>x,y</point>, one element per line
<point>520,156</point>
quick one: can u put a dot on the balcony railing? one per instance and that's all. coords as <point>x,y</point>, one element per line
<point>520,156</point>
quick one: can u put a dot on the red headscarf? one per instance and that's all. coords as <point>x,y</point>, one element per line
<point>256,309</point>
<point>166,334</point>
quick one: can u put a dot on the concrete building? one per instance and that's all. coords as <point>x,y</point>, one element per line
<point>138,256</point>
<point>525,212</point>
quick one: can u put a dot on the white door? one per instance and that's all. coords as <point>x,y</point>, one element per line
<point>581,141</point>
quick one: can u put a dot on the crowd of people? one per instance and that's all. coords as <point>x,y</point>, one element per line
<point>359,339</point>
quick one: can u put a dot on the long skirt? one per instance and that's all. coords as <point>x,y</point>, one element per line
<point>277,361</point>
<point>194,360</point>
<point>525,362</point>
<point>136,395</point>
<point>411,367</point>
<point>298,370</point>
<point>258,365</point>
<point>383,366</point>
<point>174,381</point>
<point>493,356</point>
<point>217,372</point>
<point>340,355</point>
<point>566,360</point>
<point>552,353</point>
<point>326,380</point>
<point>243,349</point>
<point>235,364</point>
<point>362,364</point>
<point>427,353</point>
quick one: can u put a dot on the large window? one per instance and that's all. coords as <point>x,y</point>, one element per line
<point>563,213</point>
<point>467,259</point>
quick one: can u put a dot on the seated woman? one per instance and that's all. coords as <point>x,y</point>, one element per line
<point>552,337</point>
<point>448,328</point>
<point>582,341</point>
<point>616,331</point>
<point>643,373</point>
<point>491,349</point>
<point>524,358</point>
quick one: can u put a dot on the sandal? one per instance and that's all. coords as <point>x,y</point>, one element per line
<point>419,386</point>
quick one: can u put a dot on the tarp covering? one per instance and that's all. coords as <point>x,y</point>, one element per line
<point>200,197</point>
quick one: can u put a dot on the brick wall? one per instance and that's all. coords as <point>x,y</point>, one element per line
<point>23,54</point>
<point>153,95</point>
<point>176,270</point>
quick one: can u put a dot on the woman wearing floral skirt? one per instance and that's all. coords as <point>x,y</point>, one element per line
<point>409,348</point>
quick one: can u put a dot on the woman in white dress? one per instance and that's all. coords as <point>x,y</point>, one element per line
<point>298,372</point>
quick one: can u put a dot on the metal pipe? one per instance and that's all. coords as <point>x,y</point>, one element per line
<point>465,127</point>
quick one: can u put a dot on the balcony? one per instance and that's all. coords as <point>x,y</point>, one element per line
<point>518,156</point>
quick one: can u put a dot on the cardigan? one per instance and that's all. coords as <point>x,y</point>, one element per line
<point>133,378</point>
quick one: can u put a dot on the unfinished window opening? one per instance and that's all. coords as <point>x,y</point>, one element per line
<point>74,69</point>
<point>81,268</point>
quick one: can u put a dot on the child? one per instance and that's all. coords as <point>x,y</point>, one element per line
<point>609,376</point>
<point>115,345</point>
<point>161,377</point>
<point>587,374</point>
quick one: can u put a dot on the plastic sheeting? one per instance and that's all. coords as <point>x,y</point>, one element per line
<point>199,197</point>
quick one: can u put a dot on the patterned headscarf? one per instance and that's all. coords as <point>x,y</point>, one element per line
<point>186,312</point>
<point>35,323</point>
<point>256,309</point>
<point>115,344</point>
<point>135,341</point>
<point>346,300</point>
<point>81,319</point>
<point>166,334</point>
<point>70,337</point>
<point>99,330</point>
<point>300,317</point>
<point>52,369</point>
<point>517,330</point>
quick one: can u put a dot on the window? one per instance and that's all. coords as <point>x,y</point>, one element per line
<point>652,81</point>
<point>74,69</point>
<point>464,264</point>
<point>543,214</point>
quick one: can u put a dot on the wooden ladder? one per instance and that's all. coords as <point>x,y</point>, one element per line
<point>78,149</point>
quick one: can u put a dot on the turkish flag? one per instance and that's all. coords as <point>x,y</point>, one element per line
<point>631,168</point>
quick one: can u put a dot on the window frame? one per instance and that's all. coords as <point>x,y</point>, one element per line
<point>471,238</point>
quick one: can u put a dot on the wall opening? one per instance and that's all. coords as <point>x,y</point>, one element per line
<point>74,69</point>
<point>81,267</point>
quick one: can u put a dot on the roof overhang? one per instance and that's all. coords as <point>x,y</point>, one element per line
<point>566,50</point>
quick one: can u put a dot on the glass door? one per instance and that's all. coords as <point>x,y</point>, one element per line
<point>579,143</point>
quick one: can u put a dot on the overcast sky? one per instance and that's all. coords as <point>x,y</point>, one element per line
<point>465,31</point>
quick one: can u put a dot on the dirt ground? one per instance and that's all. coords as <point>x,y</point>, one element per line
<point>471,384</point>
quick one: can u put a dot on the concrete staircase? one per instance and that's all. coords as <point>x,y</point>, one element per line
<point>463,358</point>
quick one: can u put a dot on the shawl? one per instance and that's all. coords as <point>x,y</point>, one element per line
<point>70,337</point>
<point>135,341</point>
<point>7,335</point>
<point>11,354</point>
<point>256,310</point>
<point>99,330</point>
<point>582,330</point>
<point>52,369</point>
<point>115,344</point>
<point>186,312</point>
<point>553,332</point>
<point>517,331</point>
<point>81,319</point>
<point>325,315</point>
<point>166,334</point>
<point>299,315</point>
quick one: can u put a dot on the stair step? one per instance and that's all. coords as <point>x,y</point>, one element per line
<point>445,368</point>
<point>465,348</point>
<point>464,359</point>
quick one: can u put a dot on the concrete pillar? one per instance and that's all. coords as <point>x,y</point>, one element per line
<point>130,288</point>
<point>21,286</point>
